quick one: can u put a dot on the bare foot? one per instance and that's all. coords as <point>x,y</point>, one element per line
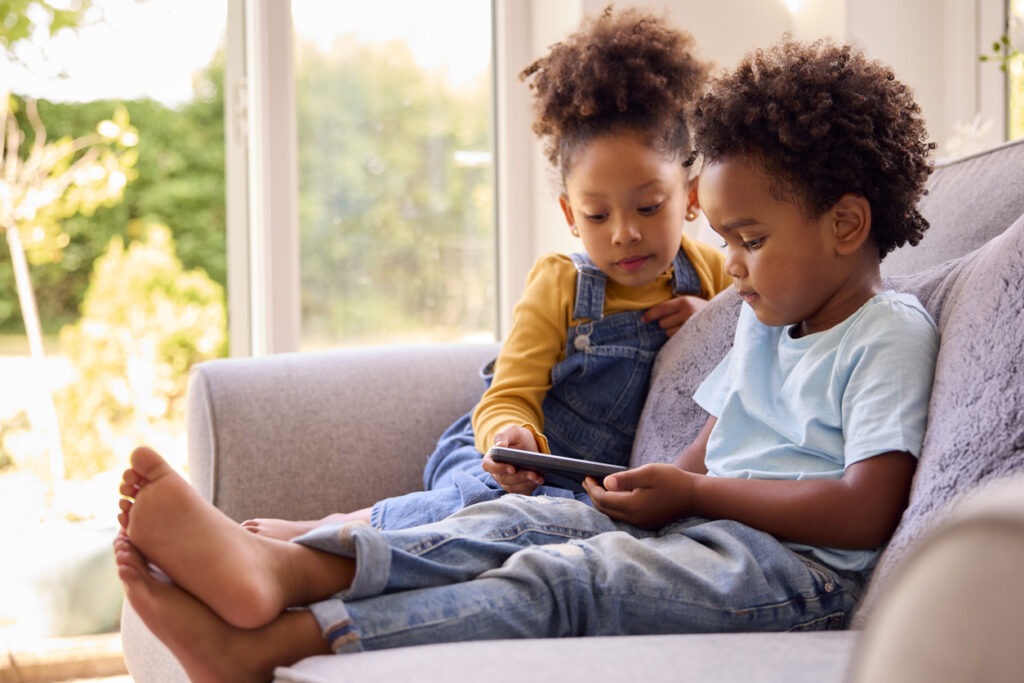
<point>286,530</point>
<point>208,648</point>
<point>247,580</point>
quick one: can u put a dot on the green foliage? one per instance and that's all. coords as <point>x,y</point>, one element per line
<point>178,181</point>
<point>145,321</point>
<point>19,19</point>
<point>1003,53</point>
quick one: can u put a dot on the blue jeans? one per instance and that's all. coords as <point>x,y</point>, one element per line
<point>532,567</point>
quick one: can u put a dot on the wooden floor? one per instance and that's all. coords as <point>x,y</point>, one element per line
<point>62,660</point>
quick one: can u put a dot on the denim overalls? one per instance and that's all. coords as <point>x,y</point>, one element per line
<point>590,412</point>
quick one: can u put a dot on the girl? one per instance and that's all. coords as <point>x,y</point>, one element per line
<point>571,378</point>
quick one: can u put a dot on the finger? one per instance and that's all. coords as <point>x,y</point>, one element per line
<point>657,311</point>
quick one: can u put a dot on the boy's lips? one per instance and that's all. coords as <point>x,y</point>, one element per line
<point>747,295</point>
<point>632,262</point>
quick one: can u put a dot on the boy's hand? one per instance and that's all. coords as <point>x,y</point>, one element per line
<point>673,313</point>
<point>649,496</point>
<point>510,477</point>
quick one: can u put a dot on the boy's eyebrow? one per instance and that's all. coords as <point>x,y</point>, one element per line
<point>736,224</point>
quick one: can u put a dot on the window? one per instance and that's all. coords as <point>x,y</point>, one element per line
<point>1015,69</point>
<point>395,182</point>
<point>128,275</point>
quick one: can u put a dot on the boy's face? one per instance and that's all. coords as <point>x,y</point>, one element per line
<point>627,203</point>
<point>784,264</point>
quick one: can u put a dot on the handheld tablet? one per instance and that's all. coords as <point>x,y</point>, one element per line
<point>564,473</point>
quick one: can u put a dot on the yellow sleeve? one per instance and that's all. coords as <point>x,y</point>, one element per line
<point>709,263</point>
<point>536,342</point>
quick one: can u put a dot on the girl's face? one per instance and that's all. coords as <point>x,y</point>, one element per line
<point>785,265</point>
<point>627,203</point>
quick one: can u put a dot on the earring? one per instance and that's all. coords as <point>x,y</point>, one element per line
<point>691,215</point>
<point>575,231</point>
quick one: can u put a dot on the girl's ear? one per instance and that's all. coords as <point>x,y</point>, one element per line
<point>692,202</point>
<point>851,217</point>
<point>563,201</point>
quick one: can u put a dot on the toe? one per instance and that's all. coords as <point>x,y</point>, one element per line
<point>148,465</point>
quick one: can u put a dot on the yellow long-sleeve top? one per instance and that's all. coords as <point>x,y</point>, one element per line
<point>540,329</point>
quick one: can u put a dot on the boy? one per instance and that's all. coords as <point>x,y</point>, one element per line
<point>814,159</point>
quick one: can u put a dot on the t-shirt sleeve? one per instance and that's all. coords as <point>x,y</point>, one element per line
<point>890,370</point>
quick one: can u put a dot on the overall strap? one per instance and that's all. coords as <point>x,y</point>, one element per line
<point>590,282</point>
<point>684,276</point>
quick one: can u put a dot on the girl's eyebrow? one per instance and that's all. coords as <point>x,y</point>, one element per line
<point>639,188</point>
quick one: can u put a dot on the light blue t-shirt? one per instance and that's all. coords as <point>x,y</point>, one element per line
<point>810,407</point>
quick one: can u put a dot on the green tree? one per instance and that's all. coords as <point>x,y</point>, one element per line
<point>145,321</point>
<point>179,181</point>
<point>20,19</point>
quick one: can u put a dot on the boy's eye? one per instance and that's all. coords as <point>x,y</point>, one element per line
<point>753,244</point>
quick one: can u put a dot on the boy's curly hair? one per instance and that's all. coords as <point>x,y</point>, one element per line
<point>620,71</point>
<point>824,121</point>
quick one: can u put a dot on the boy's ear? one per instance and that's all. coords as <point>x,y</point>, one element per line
<point>851,220</point>
<point>563,201</point>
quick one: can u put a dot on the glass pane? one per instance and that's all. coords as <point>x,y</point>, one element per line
<point>1015,69</point>
<point>394,117</point>
<point>124,262</point>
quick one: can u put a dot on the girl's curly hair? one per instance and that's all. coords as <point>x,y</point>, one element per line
<point>621,71</point>
<point>823,120</point>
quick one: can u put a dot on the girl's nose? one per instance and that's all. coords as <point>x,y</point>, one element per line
<point>626,233</point>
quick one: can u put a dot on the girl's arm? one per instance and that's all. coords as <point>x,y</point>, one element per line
<point>858,511</point>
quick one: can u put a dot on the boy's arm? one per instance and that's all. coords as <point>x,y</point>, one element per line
<point>691,458</point>
<point>860,510</point>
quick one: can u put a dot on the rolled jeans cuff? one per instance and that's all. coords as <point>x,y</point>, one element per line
<point>362,543</point>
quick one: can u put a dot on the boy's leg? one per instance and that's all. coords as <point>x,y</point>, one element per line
<point>208,648</point>
<point>457,549</point>
<point>246,579</point>
<point>698,577</point>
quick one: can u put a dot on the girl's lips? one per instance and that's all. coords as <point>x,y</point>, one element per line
<point>747,295</point>
<point>632,263</point>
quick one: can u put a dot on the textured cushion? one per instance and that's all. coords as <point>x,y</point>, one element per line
<point>976,417</point>
<point>670,418</point>
<point>969,201</point>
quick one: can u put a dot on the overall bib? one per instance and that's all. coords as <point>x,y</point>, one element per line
<point>591,411</point>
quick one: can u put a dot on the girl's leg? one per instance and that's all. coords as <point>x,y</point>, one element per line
<point>286,530</point>
<point>208,648</point>
<point>246,579</point>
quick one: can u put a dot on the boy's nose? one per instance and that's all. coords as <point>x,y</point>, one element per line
<point>734,265</point>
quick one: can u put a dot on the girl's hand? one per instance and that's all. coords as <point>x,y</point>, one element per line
<point>648,497</point>
<point>671,314</point>
<point>510,477</point>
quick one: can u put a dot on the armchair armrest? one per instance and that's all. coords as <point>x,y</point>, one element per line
<point>300,435</point>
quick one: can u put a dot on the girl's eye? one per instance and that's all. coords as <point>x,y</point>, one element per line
<point>648,210</point>
<point>595,217</point>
